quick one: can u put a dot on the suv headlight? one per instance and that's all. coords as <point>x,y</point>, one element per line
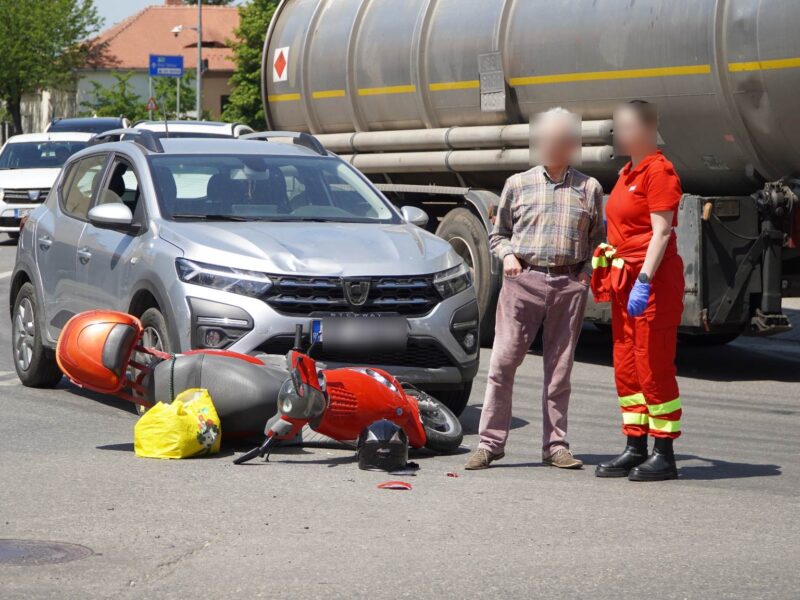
<point>452,281</point>
<point>237,281</point>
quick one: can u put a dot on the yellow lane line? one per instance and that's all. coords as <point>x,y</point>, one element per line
<point>764,65</point>
<point>323,94</point>
<point>283,97</point>
<point>454,85</point>
<point>392,89</point>
<point>610,75</point>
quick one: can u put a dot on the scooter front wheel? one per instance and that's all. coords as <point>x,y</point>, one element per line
<point>443,430</point>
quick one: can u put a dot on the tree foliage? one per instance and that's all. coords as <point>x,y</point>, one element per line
<point>245,103</point>
<point>42,42</point>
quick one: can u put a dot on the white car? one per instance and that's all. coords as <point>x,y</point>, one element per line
<point>29,165</point>
<point>194,129</point>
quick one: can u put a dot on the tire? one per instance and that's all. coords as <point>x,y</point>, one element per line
<point>455,399</point>
<point>35,363</point>
<point>14,237</point>
<point>155,335</point>
<point>703,340</point>
<point>443,430</point>
<point>467,234</point>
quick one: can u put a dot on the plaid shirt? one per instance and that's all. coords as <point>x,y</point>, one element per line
<point>547,223</point>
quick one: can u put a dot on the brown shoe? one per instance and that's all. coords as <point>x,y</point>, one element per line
<point>563,459</point>
<point>481,459</point>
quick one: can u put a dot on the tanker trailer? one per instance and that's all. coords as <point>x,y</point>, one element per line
<point>433,99</point>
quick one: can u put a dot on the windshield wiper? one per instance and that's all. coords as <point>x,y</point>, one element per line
<point>198,217</point>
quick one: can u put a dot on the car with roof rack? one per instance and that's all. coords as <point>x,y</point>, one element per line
<point>194,129</point>
<point>231,243</point>
<point>29,165</point>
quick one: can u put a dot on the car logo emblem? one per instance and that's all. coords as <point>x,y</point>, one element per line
<point>356,292</point>
<point>33,195</point>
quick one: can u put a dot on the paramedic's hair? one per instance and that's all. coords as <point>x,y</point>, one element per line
<point>645,111</point>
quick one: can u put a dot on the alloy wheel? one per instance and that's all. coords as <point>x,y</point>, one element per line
<point>24,334</point>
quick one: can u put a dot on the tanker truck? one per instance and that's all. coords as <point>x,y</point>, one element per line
<point>433,100</point>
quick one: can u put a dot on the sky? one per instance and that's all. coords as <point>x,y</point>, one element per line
<point>114,11</point>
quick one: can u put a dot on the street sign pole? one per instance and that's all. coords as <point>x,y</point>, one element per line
<point>150,85</point>
<point>178,98</point>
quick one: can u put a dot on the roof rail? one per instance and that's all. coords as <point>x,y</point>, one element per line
<point>144,137</point>
<point>300,138</point>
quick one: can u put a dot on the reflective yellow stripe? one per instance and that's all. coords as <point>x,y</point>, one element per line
<point>321,95</point>
<point>629,418</point>
<point>664,425</point>
<point>632,400</point>
<point>610,75</point>
<point>764,65</point>
<point>656,410</point>
<point>283,97</point>
<point>445,86</point>
<point>599,261</point>
<point>391,89</point>
<point>618,263</point>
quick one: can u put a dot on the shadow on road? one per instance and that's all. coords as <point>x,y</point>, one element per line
<point>713,469</point>
<point>472,416</point>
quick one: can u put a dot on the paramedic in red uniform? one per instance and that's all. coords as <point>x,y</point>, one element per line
<point>640,272</point>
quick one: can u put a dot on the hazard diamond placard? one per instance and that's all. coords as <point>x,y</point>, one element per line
<point>280,64</point>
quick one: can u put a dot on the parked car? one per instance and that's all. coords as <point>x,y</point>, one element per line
<point>194,129</point>
<point>88,124</point>
<point>230,244</point>
<point>29,164</point>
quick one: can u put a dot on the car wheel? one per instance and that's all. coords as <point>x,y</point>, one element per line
<point>455,399</point>
<point>13,236</point>
<point>35,364</point>
<point>467,236</point>
<point>155,334</point>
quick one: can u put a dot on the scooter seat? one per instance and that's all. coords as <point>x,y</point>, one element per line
<point>244,394</point>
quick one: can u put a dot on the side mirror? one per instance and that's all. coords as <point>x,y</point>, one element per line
<point>415,216</point>
<point>111,216</point>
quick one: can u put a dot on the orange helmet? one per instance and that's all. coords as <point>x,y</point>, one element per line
<point>95,346</point>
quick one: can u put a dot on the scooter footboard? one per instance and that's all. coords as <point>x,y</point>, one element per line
<point>244,394</point>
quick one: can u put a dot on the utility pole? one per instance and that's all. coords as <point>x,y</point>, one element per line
<point>199,60</point>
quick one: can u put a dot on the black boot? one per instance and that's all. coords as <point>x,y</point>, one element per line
<point>635,453</point>
<point>660,466</point>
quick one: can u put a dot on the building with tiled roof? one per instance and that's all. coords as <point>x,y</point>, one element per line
<point>129,44</point>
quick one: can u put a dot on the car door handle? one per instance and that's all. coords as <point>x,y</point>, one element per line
<point>84,255</point>
<point>45,242</point>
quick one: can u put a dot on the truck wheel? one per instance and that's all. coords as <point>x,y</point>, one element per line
<point>467,235</point>
<point>703,340</point>
<point>455,399</point>
<point>35,364</point>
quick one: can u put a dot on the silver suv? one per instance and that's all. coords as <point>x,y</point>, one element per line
<point>230,244</point>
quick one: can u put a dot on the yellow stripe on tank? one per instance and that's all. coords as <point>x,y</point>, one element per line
<point>446,86</point>
<point>283,97</point>
<point>610,75</point>
<point>391,89</point>
<point>764,65</point>
<point>323,94</point>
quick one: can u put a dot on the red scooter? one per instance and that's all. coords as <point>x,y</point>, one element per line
<point>340,403</point>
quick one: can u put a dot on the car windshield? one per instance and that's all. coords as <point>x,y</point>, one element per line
<point>253,187</point>
<point>38,155</point>
<point>90,126</point>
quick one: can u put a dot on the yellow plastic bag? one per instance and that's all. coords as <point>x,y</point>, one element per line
<point>187,427</point>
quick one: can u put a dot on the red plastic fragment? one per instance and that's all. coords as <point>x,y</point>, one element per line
<point>394,485</point>
<point>452,474</point>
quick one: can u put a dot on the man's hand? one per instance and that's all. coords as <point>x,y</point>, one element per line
<point>584,278</point>
<point>511,266</point>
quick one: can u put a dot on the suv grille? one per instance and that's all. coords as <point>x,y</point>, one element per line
<point>409,296</point>
<point>419,352</point>
<point>21,196</point>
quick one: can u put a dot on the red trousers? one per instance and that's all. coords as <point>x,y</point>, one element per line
<point>644,354</point>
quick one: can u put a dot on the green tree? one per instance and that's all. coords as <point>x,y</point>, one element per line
<point>42,42</point>
<point>245,103</point>
<point>164,90</point>
<point>117,100</point>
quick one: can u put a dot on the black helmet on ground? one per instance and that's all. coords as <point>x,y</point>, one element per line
<point>382,446</point>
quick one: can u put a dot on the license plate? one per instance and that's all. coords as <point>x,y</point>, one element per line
<point>17,213</point>
<point>360,334</point>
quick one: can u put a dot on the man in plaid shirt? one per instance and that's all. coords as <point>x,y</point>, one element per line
<point>548,223</point>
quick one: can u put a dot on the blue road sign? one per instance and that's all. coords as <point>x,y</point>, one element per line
<point>166,66</point>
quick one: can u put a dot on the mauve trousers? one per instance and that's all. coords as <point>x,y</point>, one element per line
<point>528,301</point>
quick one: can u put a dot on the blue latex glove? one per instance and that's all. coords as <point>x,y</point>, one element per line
<point>637,301</point>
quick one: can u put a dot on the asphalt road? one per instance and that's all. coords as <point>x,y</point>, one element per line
<point>309,524</point>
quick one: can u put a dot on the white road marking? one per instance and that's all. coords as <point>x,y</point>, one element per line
<point>5,274</point>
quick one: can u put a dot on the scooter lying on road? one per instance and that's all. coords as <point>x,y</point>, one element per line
<point>102,351</point>
<point>340,403</point>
